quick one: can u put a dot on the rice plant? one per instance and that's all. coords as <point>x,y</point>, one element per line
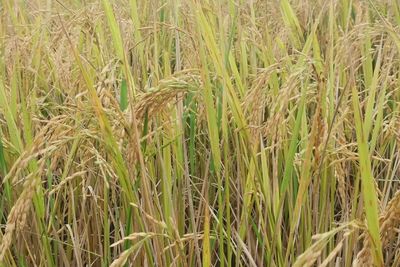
<point>199,133</point>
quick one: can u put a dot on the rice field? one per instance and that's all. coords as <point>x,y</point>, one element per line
<point>199,133</point>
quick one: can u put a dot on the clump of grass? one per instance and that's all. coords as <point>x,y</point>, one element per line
<point>199,133</point>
